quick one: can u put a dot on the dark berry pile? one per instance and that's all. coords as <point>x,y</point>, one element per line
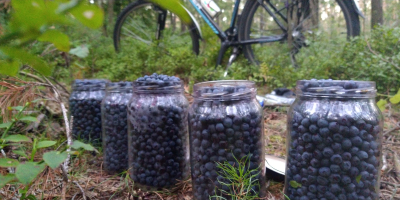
<point>222,131</point>
<point>115,129</point>
<point>85,107</point>
<point>334,145</point>
<point>158,133</point>
<point>158,80</point>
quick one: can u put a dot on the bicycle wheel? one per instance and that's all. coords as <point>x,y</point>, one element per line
<point>306,25</point>
<point>144,23</point>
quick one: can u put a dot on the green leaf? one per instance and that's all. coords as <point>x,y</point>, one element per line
<point>80,51</point>
<point>54,158</point>
<point>60,40</point>
<point>31,16</point>
<point>8,162</point>
<point>9,68</point>
<point>89,15</point>
<point>295,184</point>
<point>17,108</point>
<point>175,7</point>
<point>358,178</point>
<point>381,104</point>
<point>78,144</point>
<point>28,119</point>
<point>44,144</point>
<point>17,138</point>
<point>396,98</point>
<point>5,125</point>
<point>6,179</point>
<point>27,58</point>
<point>28,171</point>
<point>20,153</point>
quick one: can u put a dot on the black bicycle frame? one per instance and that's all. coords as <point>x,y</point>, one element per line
<point>224,36</point>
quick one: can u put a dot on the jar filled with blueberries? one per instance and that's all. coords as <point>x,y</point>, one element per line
<point>334,142</point>
<point>115,128</point>
<point>158,132</point>
<point>85,109</point>
<point>225,127</point>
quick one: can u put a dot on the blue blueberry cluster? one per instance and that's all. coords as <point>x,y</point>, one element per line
<point>115,128</point>
<point>334,148</point>
<point>223,128</point>
<point>158,133</point>
<point>158,80</point>
<point>85,106</point>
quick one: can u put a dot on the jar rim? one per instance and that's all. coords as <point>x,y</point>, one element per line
<point>89,84</point>
<point>122,86</point>
<point>336,88</point>
<point>164,87</point>
<point>224,90</point>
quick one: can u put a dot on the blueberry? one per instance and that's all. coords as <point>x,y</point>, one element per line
<point>334,127</point>
<point>356,141</point>
<point>306,122</point>
<point>228,122</point>
<point>324,171</point>
<point>346,156</point>
<point>345,166</point>
<point>327,152</point>
<point>313,129</point>
<point>362,155</point>
<point>312,188</point>
<point>322,123</point>
<point>322,180</point>
<point>316,138</point>
<point>346,144</point>
<point>334,178</point>
<point>354,131</point>
<point>314,118</point>
<point>324,132</point>
<point>306,137</point>
<point>337,159</point>
<point>220,127</point>
<point>335,168</point>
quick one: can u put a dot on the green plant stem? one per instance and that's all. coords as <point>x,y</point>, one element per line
<point>384,95</point>
<point>33,149</point>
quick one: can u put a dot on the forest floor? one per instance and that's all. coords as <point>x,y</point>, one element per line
<point>87,175</point>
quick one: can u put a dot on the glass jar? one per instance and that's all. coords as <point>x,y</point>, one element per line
<point>225,126</point>
<point>334,141</point>
<point>85,109</point>
<point>115,128</point>
<point>158,139</point>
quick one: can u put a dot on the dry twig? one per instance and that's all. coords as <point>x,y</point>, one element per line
<point>397,127</point>
<point>80,188</point>
<point>396,164</point>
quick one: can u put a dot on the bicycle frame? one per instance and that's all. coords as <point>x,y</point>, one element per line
<point>225,36</point>
<point>229,37</point>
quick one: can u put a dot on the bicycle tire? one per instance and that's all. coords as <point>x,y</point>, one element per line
<point>137,4</point>
<point>349,12</point>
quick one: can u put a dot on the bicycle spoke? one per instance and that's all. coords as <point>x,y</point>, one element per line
<point>133,35</point>
<point>305,26</point>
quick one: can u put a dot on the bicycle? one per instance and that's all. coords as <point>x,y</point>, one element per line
<point>261,22</point>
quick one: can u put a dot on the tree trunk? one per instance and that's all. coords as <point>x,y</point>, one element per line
<point>314,6</point>
<point>183,27</point>
<point>173,22</point>
<point>376,13</point>
<point>110,11</point>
